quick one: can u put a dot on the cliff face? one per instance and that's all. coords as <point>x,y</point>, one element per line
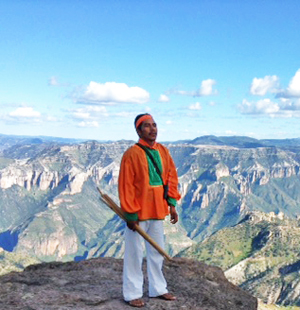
<point>219,184</point>
<point>97,284</point>
<point>261,255</point>
<point>50,207</point>
<point>50,203</point>
<point>46,169</point>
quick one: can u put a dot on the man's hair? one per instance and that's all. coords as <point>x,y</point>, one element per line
<point>137,118</point>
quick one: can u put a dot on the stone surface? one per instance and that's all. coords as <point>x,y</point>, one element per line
<point>97,284</point>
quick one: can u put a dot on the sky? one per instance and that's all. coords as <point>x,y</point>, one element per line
<point>85,68</point>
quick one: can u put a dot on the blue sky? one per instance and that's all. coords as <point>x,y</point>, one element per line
<point>85,69</point>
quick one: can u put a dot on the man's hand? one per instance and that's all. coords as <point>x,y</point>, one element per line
<point>174,215</point>
<point>131,224</point>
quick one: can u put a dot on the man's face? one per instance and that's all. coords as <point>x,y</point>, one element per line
<point>148,131</point>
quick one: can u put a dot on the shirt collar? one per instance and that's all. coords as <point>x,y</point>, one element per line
<point>143,142</point>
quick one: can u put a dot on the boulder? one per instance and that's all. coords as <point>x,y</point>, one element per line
<point>97,284</point>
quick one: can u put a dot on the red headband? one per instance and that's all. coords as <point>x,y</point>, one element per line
<point>141,119</point>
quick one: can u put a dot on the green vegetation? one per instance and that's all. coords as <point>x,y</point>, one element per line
<point>4,162</point>
<point>262,306</point>
<point>261,254</point>
<point>225,248</point>
<point>14,262</point>
<point>277,241</point>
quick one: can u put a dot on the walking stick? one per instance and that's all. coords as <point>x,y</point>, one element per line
<point>113,206</point>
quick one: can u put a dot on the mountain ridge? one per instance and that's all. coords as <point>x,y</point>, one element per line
<point>51,209</point>
<point>237,141</point>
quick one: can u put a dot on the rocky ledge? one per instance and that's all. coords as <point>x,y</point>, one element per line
<point>97,284</point>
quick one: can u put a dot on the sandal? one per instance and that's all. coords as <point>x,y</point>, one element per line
<point>138,303</point>
<point>167,296</point>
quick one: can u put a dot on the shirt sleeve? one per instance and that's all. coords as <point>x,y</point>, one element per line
<point>172,179</point>
<point>172,201</point>
<point>127,188</point>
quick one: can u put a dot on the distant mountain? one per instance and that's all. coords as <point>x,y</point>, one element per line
<point>244,142</point>
<point>235,141</point>
<point>241,142</point>
<point>7,141</point>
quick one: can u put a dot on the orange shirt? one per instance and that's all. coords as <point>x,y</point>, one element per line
<point>135,192</point>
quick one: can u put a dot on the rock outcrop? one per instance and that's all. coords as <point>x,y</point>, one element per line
<point>97,284</point>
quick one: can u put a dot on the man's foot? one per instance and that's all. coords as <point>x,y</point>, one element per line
<point>138,303</point>
<point>167,296</point>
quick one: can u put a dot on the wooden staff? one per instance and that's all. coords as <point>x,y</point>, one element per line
<point>113,206</point>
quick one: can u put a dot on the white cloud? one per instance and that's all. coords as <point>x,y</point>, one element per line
<point>96,109</point>
<point>250,134</point>
<point>230,133</point>
<point>264,106</point>
<point>260,86</point>
<point>81,115</point>
<point>89,112</point>
<point>50,118</point>
<point>53,81</point>
<point>88,124</point>
<point>206,88</point>
<point>169,122</point>
<point>163,98</point>
<point>27,115</point>
<point>285,108</point>
<point>286,103</point>
<point>293,89</point>
<point>125,114</point>
<point>27,112</point>
<point>112,93</point>
<point>195,106</point>
<point>290,105</point>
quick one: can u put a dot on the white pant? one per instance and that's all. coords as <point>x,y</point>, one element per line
<point>133,258</point>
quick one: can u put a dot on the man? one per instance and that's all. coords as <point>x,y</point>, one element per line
<point>141,192</point>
